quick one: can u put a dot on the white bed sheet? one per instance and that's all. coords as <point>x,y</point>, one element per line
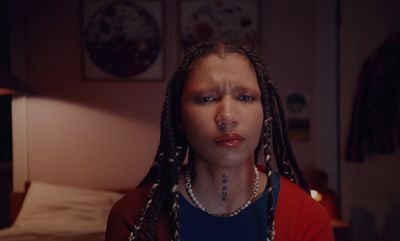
<point>56,212</point>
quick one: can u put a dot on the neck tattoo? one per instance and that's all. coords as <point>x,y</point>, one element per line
<point>224,193</point>
<point>196,202</point>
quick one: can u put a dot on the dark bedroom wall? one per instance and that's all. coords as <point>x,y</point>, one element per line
<point>5,125</point>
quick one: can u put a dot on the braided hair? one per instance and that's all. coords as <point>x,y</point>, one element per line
<point>173,146</point>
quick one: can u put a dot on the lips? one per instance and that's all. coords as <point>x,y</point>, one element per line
<point>229,140</point>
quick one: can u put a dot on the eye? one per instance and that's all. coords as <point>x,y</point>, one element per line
<point>246,98</point>
<point>205,99</point>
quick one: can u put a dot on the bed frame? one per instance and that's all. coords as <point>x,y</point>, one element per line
<point>16,200</point>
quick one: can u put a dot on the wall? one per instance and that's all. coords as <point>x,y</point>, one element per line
<point>104,134</point>
<point>370,190</point>
<point>300,48</point>
<point>88,133</point>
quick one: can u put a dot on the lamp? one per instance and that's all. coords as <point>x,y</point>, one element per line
<point>9,83</point>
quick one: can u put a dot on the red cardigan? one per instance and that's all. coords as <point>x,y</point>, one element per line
<point>298,217</point>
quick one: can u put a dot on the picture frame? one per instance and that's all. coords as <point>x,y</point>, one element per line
<point>201,20</point>
<point>122,40</point>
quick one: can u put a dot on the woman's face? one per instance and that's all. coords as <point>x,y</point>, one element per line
<point>222,112</point>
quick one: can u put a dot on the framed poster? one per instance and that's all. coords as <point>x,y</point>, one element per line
<point>296,104</point>
<point>202,20</point>
<point>122,40</point>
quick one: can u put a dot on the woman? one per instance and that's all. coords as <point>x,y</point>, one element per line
<point>221,108</point>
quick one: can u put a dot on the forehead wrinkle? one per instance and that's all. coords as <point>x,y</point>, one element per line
<point>222,54</point>
<point>211,79</point>
<point>206,84</point>
<point>213,85</point>
<point>227,85</point>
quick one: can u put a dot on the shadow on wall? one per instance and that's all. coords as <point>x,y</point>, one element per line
<point>363,225</point>
<point>141,102</point>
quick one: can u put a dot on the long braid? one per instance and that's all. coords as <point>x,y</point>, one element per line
<point>278,145</point>
<point>266,137</point>
<point>281,145</point>
<point>285,168</point>
<point>151,222</point>
<point>175,169</point>
<point>267,151</point>
<point>172,162</point>
<point>159,171</point>
<point>137,227</point>
<point>154,173</point>
<point>290,155</point>
<point>267,147</point>
<point>274,134</point>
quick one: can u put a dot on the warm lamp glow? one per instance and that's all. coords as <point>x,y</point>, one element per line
<point>9,83</point>
<point>4,91</point>
<point>316,195</point>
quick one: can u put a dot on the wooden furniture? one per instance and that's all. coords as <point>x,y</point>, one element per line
<point>341,230</point>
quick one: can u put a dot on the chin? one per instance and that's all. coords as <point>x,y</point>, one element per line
<point>232,160</point>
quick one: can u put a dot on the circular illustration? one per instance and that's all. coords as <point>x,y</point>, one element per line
<point>122,39</point>
<point>203,21</point>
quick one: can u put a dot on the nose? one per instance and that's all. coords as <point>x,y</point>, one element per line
<point>226,118</point>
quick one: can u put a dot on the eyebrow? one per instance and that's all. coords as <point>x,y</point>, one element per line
<point>241,88</point>
<point>213,87</point>
<point>209,85</point>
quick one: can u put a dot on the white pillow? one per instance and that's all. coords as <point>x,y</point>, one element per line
<point>50,208</point>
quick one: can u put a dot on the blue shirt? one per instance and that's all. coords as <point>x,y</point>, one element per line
<point>249,225</point>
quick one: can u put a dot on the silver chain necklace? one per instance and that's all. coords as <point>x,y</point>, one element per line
<point>189,190</point>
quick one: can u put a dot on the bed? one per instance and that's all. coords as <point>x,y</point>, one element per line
<point>51,212</point>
